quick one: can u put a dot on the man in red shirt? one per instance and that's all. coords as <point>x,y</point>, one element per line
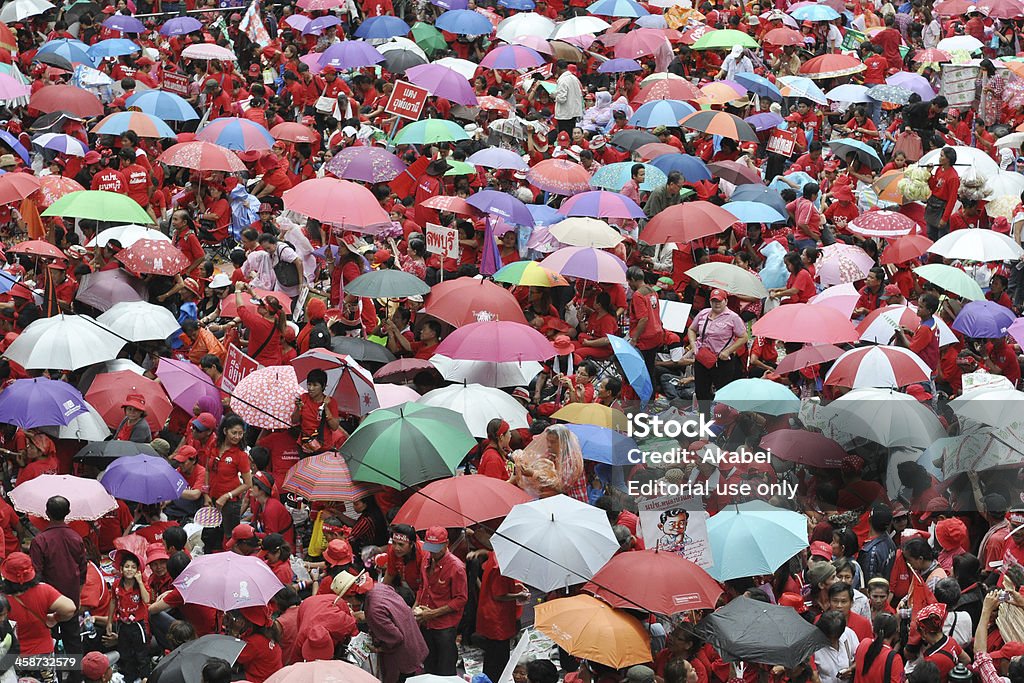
<point>138,183</point>
<point>497,611</point>
<point>217,100</point>
<point>890,40</point>
<point>646,332</point>
<point>109,180</point>
<point>923,341</point>
<point>405,556</point>
<point>440,602</point>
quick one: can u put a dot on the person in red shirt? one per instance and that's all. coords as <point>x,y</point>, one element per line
<point>261,657</point>
<point>404,557</point>
<point>843,210</point>
<point>800,286</point>
<point>871,293</point>
<point>497,609</point>
<point>275,180</point>
<point>266,324</point>
<point>218,102</point>
<point>997,291</point>
<point>273,517</point>
<point>228,476</point>
<point>945,185</point>
<point>494,461</point>
<point>645,329</point>
<point>129,616</point>
<point>283,448</point>
<point>440,602</point>
<point>923,341</point>
<point>109,180</point>
<point>277,555</point>
<point>936,646</point>
<point>890,40</point>
<point>875,64</point>
<point>40,458</point>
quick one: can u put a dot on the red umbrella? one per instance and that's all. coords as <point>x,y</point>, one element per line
<point>452,205</point>
<point>16,186</point>
<point>687,222</point>
<point>931,55</point>
<point>403,370</point>
<point>905,248</point>
<point>348,382</point>
<point>653,150</point>
<point>807,323</point>
<point>654,581</point>
<point>153,257</point>
<point>67,98</point>
<point>807,356</point>
<point>784,36</point>
<point>341,203</point>
<point>491,103</point>
<point>559,176</point>
<point>229,310</point>
<point>295,132</point>
<point>497,341</point>
<point>877,367</point>
<point>887,224</point>
<point>804,448</point>
<point>831,66</point>
<point>952,8</point>
<point>460,502</point>
<point>668,89</point>
<point>735,173</point>
<point>53,187</point>
<point>108,392</point>
<point>38,248</point>
<point>468,300</point>
<point>202,156</point>
<point>1004,9</point>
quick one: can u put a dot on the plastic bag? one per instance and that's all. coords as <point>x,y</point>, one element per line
<point>317,543</point>
<point>774,273</point>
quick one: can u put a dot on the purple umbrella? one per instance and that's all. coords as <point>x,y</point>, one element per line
<point>188,386</point>
<point>512,57</point>
<point>180,26</point>
<point>124,24</point>
<point>618,66</point>
<point>588,263</point>
<point>497,157</point>
<point>443,82</point>
<point>40,402</point>
<point>298,21</point>
<point>104,289</point>
<point>350,54</point>
<point>601,204</point>
<point>320,24</point>
<point>227,581</point>
<point>502,205</point>
<point>913,83</point>
<point>366,164</point>
<point>143,479</point>
<point>984,320</point>
<point>764,120</point>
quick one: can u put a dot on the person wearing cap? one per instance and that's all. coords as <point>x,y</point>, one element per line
<point>937,647</point>
<point>994,510</point>
<point>322,612</point>
<point>8,162</point>
<point>244,540</point>
<point>64,287</point>
<point>265,322</point>
<point>35,606</point>
<point>440,602</point>
<point>40,458</point>
<point>134,426</point>
<point>159,581</point>
<point>97,667</point>
<point>201,435</point>
<point>261,657</point>
<point>269,513</point>
<point>715,335</point>
<point>186,460</point>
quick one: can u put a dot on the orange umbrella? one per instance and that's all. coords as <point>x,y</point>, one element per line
<point>589,629</point>
<point>887,187</point>
<point>717,92</point>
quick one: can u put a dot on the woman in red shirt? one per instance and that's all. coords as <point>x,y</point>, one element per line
<point>799,287</point>
<point>128,616</point>
<point>228,477</point>
<point>875,657</point>
<point>215,211</point>
<point>266,325</point>
<point>944,184</point>
<point>317,416</point>
<point>495,462</point>
<point>600,323</point>
<point>262,656</point>
<point>30,598</point>
<point>277,555</point>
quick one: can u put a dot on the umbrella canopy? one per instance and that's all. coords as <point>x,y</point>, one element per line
<point>807,323</point>
<point>478,405</point>
<point>559,176</point>
<point>879,325</point>
<point>179,26</point>
<point>65,144</point>
<point>322,671</point>
<point>18,10</point>
<point>350,54</point>
<point>39,402</point>
<point>502,205</point>
<point>99,205</point>
<point>126,235</point>
<point>724,39</point>
<point>325,477</point>
<point>497,341</point>
<point>163,105</point>
<point>618,66</point>
<point>387,284</point>
<point>687,222</point>
<point>600,444</point>
<point>587,628</point>
<point>363,351</point>
<point>601,204</point>
<point>633,366</point>
<point>241,135</point>
<point>732,279</point>
<point>153,257</point>
<point>553,543</point>
<point>496,157</point>
<point>112,47</point>
<point>863,151</point>
<point>660,113</point>
<point>887,417</point>
<point>51,98</point>
<point>805,448</point>
<point>524,24</point>
<point>442,81</point>
<point>993,407</point>
<point>140,321</point>
<point>186,384</point>
<point>878,366</point>
<point>266,398</point>
<point>17,186</point>
<point>368,164</point>
<point>758,396</point>
<point>143,479</point>
<point>109,391</point>
<point>592,414</point>
<point>202,156</point>
<point>467,300</point>
<point>753,631</point>
<point>464,22</point>
<point>587,263</point>
<point>64,342</point>
<point>720,123</point>
<point>752,539</point>
<point>615,176</point>
<point>832,66</point>
<point>887,224</point>
<point>976,244</point>
<point>460,502</point>
<point>407,445</point>
<point>402,370</point>
<point>951,279</point>
<point>753,212</point>
<point>382,27</point>
<point>75,51</point>
<point>839,263</point>
<point>528,274</point>
<point>340,203</point>
<point>429,131</point>
<point>586,232</point>
<point>103,289</point>
<point>349,383</point>
<point>487,373</point>
<point>655,581</point>
<point>692,168</point>
<point>186,662</point>
<point>969,161</point>
<point>89,500</point>
<point>984,320</point>
<point>905,248</point>
<point>227,581</point>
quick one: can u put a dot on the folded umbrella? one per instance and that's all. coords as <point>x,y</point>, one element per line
<point>38,402</point>
<point>460,502</point>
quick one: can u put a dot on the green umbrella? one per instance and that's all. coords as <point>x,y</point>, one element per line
<point>429,131</point>
<point>724,39</point>
<point>951,279</point>
<point>387,284</point>
<point>428,38</point>
<point>99,205</point>
<point>407,445</point>
<point>460,168</point>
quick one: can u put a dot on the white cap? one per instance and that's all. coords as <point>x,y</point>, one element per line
<point>220,280</point>
<point>348,130</point>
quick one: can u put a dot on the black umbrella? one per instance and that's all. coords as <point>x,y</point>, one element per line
<point>362,350</point>
<point>632,139</point>
<point>77,10</point>
<point>185,664</point>
<point>753,631</point>
<point>54,60</point>
<point>111,450</point>
<point>760,194</point>
<point>397,61</point>
<point>48,121</point>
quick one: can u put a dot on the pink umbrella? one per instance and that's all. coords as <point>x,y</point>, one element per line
<point>808,356</point>
<point>840,263</point>
<point>202,156</point>
<point>12,88</point>
<point>887,224</point>
<point>497,341</point>
<point>807,323</point>
<point>842,297</point>
<point>348,382</point>
<point>185,383</point>
<point>538,44</point>
<point>341,203</point>
<point>588,263</point>
<point>640,43</point>
<point>104,289</point>
<point>266,397</point>
<point>208,51</point>
<point>89,500</point>
<point>227,581</point>
<point>559,176</point>
<point>390,395</point>
<point>312,60</point>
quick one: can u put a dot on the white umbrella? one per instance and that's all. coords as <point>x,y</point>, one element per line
<point>957,43</point>
<point>402,44</point>
<point>993,407</point>
<point>1011,141</point>
<point>977,244</point>
<point>487,373</point>
<point>463,67</point>
<point>849,92</point>
<point>64,342</point>
<point>87,426</point>
<point>968,161</point>
<point>140,321</point>
<point>553,543</point>
<point>880,330</point>
<point>22,9</point>
<point>1005,183</point>
<point>127,235</point>
<point>389,395</point>
<point>583,25</point>
<point>478,405</point>
<point>524,24</point>
<point>889,418</point>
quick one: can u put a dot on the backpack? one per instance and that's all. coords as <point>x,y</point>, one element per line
<point>320,336</point>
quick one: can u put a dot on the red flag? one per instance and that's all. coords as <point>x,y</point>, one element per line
<point>405,184</point>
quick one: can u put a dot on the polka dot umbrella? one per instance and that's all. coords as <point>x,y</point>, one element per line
<point>153,257</point>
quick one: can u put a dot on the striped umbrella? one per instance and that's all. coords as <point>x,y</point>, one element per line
<point>163,105</point>
<point>588,263</point>
<point>65,144</point>
<point>325,477</point>
<point>348,382</point>
<point>559,176</point>
<point>719,123</point>
<point>529,274</point>
<point>601,204</point>
<point>241,135</point>
<point>144,125</point>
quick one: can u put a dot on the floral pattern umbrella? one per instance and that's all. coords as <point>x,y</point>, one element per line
<point>266,397</point>
<point>841,263</point>
<point>368,164</point>
<point>153,257</point>
<point>559,176</point>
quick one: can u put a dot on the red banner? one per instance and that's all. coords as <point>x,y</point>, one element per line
<point>407,100</point>
<point>175,83</point>
<point>236,366</point>
<point>782,142</point>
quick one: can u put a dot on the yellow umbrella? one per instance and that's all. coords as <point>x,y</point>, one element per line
<point>592,414</point>
<point>586,232</point>
<point>589,629</point>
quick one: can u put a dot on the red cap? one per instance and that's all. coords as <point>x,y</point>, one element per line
<point>156,552</point>
<point>822,549</point>
<point>892,290</point>
<point>17,568</point>
<point>95,666</point>
<point>258,615</point>
<point>328,70</point>
<point>318,645</point>
<point>242,532</point>
<point>92,157</point>
<point>381,256</point>
<point>718,295</point>
<point>184,454</point>
<point>57,265</point>
<point>338,552</point>
<point>137,401</point>
<point>435,539</point>
<point>919,392</point>
<point>1008,651</point>
<point>205,421</point>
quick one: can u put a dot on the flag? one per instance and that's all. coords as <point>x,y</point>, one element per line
<point>492,257</point>
<point>253,26</point>
<point>222,26</point>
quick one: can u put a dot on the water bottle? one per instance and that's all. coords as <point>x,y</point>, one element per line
<point>88,625</point>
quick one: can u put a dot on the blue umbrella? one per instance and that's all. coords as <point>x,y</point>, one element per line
<point>143,479</point>
<point>754,212</point>
<point>75,51</point>
<point>40,402</point>
<point>163,105</point>
<point>618,8</point>
<point>660,113</point>
<point>502,205</point>
<point>758,396</point>
<point>615,176</point>
<point>544,214</point>
<point>464,22</point>
<point>693,169</point>
<point>15,146</point>
<point>521,5</point>
<point>65,144</point>
<point>633,366</point>
<point>652,21</point>
<point>113,47</point>
<point>983,320</point>
<point>814,13</point>
<point>7,281</point>
<point>382,27</point>
<point>179,26</point>
<point>124,23</point>
<point>754,539</point>
<point>865,152</point>
<point>799,86</point>
<point>764,121</point>
<point>761,194</point>
<point>117,124</point>
<point>600,444</point>
<point>759,85</point>
<point>618,66</point>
